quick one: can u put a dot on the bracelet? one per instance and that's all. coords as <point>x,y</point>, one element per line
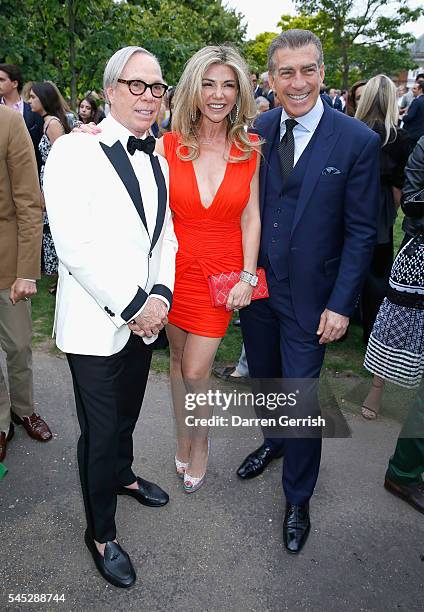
<point>249,278</point>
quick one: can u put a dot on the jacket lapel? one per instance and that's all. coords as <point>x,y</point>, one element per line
<point>119,160</point>
<point>269,133</point>
<point>322,147</point>
<point>162,197</point>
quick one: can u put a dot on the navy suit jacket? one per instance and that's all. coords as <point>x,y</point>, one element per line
<point>334,227</point>
<point>337,104</point>
<point>414,119</point>
<point>34,124</point>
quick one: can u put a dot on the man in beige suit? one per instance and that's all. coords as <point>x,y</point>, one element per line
<point>20,246</point>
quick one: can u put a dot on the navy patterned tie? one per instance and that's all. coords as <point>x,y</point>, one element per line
<point>286,149</point>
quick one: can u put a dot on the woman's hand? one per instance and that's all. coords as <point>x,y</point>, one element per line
<point>87,128</point>
<point>239,296</point>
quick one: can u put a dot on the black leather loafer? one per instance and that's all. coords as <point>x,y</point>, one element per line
<point>296,527</point>
<point>148,493</point>
<point>115,566</point>
<point>256,462</point>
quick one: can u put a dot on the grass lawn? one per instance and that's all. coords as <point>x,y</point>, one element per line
<point>345,357</point>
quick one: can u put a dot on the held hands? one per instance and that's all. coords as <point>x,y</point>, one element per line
<point>87,128</point>
<point>332,326</point>
<point>151,320</point>
<point>239,296</point>
<point>22,290</point>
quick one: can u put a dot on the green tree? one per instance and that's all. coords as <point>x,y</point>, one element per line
<point>358,37</point>
<point>69,41</point>
<point>256,51</point>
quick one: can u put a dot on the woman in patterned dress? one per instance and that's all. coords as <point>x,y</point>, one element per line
<point>45,101</point>
<point>378,109</point>
<point>395,351</point>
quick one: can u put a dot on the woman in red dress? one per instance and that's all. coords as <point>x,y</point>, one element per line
<point>214,196</point>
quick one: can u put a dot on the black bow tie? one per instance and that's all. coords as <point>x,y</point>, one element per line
<point>147,145</point>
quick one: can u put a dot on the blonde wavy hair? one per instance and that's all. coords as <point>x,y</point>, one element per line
<point>186,114</point>
<point>378,105</point>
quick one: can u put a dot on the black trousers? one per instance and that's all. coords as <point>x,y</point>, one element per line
<point>109,392</point>
<point>278,347</point>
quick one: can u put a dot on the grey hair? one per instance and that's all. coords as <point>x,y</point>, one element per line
<point>261,100</point>
<point>116,64</point>
<point>294,39</point>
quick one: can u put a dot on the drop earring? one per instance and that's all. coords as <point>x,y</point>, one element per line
<point>234,115</point>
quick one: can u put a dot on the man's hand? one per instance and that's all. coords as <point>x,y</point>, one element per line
<point>21,290</point>
<point>332,326</point>
<point>151,320</point>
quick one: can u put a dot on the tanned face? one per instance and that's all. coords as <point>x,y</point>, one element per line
<point>297,79</point>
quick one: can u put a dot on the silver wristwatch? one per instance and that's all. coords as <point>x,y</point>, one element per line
<point>247,277</point>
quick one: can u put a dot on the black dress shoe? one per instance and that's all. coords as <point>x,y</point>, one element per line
<point>296,527</point>
<point>256,462</point>
<point>115,566</point>
<point>147,493</point>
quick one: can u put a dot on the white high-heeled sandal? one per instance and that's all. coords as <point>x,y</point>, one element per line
<point>193,483</point>
<point>180,467</point>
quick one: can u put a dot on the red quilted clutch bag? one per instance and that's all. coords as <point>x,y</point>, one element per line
<point>221,284</point>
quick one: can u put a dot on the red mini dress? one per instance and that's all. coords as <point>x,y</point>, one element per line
<point>209,239</point>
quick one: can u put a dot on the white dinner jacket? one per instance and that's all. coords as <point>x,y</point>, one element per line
<point>113,234</point>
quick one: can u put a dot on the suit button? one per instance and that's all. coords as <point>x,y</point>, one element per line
<point>106,308</point>
<point>278,210</point>
<point>275,224</point>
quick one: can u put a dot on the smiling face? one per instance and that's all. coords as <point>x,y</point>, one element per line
<point>297,79</point>
<point>136,113</point>
<point>219,92</point>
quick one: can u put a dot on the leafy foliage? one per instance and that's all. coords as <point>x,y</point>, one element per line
<point>69,41</point>
<point>255,50</point>
<point>360,37</point>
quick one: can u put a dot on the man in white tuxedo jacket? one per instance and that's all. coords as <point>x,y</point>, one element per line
<point>107,201</point>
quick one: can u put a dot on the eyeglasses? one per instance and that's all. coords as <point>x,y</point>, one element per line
<point>138,87</point>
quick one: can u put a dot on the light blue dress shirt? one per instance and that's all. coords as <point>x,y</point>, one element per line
<point>305,128</point>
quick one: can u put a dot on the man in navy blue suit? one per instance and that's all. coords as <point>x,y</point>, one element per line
<point>414,119</point>
<point>319,188</point>
<point>336,101</point>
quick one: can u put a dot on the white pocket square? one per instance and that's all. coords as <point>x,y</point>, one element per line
<point>330,170</point>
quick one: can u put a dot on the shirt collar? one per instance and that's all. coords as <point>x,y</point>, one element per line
<point>309,121</point>
<point>113,131</point>
<point>18,106</point>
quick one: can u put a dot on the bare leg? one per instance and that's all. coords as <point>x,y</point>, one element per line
<point>198,357</point>
<point>177,340</point>
<point>372,403</point>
